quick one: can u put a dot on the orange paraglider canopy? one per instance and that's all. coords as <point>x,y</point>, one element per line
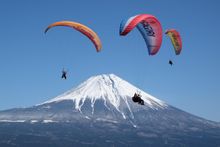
<point>81,28</point>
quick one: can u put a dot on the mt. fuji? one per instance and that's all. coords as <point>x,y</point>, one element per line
<point>112,94</point>
<point>109,88</point>
<point>100,112</point>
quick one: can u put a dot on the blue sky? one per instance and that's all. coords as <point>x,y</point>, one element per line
<point>31,62</point>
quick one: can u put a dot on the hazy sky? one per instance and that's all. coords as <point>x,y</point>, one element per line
<point>31,62</point>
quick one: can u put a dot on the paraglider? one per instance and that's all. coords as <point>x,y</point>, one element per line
<point>175,39</point>
<point>171,62</point>
<point>149,27</point>
<point>64,73</point>
<point>137,99</point>
<point>81,28</point>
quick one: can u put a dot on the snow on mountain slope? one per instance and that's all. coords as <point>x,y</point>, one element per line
<point>107,99</point>
<point>109,88</point>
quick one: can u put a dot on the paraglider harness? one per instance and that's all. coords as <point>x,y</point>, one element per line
<point>64,74</point>
<point>137,99</point>
<point>171,62</point>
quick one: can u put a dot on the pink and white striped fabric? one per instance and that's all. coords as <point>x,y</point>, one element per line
<point>149,27</point>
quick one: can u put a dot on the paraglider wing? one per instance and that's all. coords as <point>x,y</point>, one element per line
<point>149,27</point>
<point>81,28</point>
<point>175,39</point>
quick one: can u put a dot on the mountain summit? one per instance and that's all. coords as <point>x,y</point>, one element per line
<point>110,90</point>
<point>101,112</point>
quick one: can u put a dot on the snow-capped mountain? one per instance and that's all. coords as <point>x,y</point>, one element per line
<point>109,88</point>
<point>102,107</point>
<point>103,97</point>
<point>112,91</point>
